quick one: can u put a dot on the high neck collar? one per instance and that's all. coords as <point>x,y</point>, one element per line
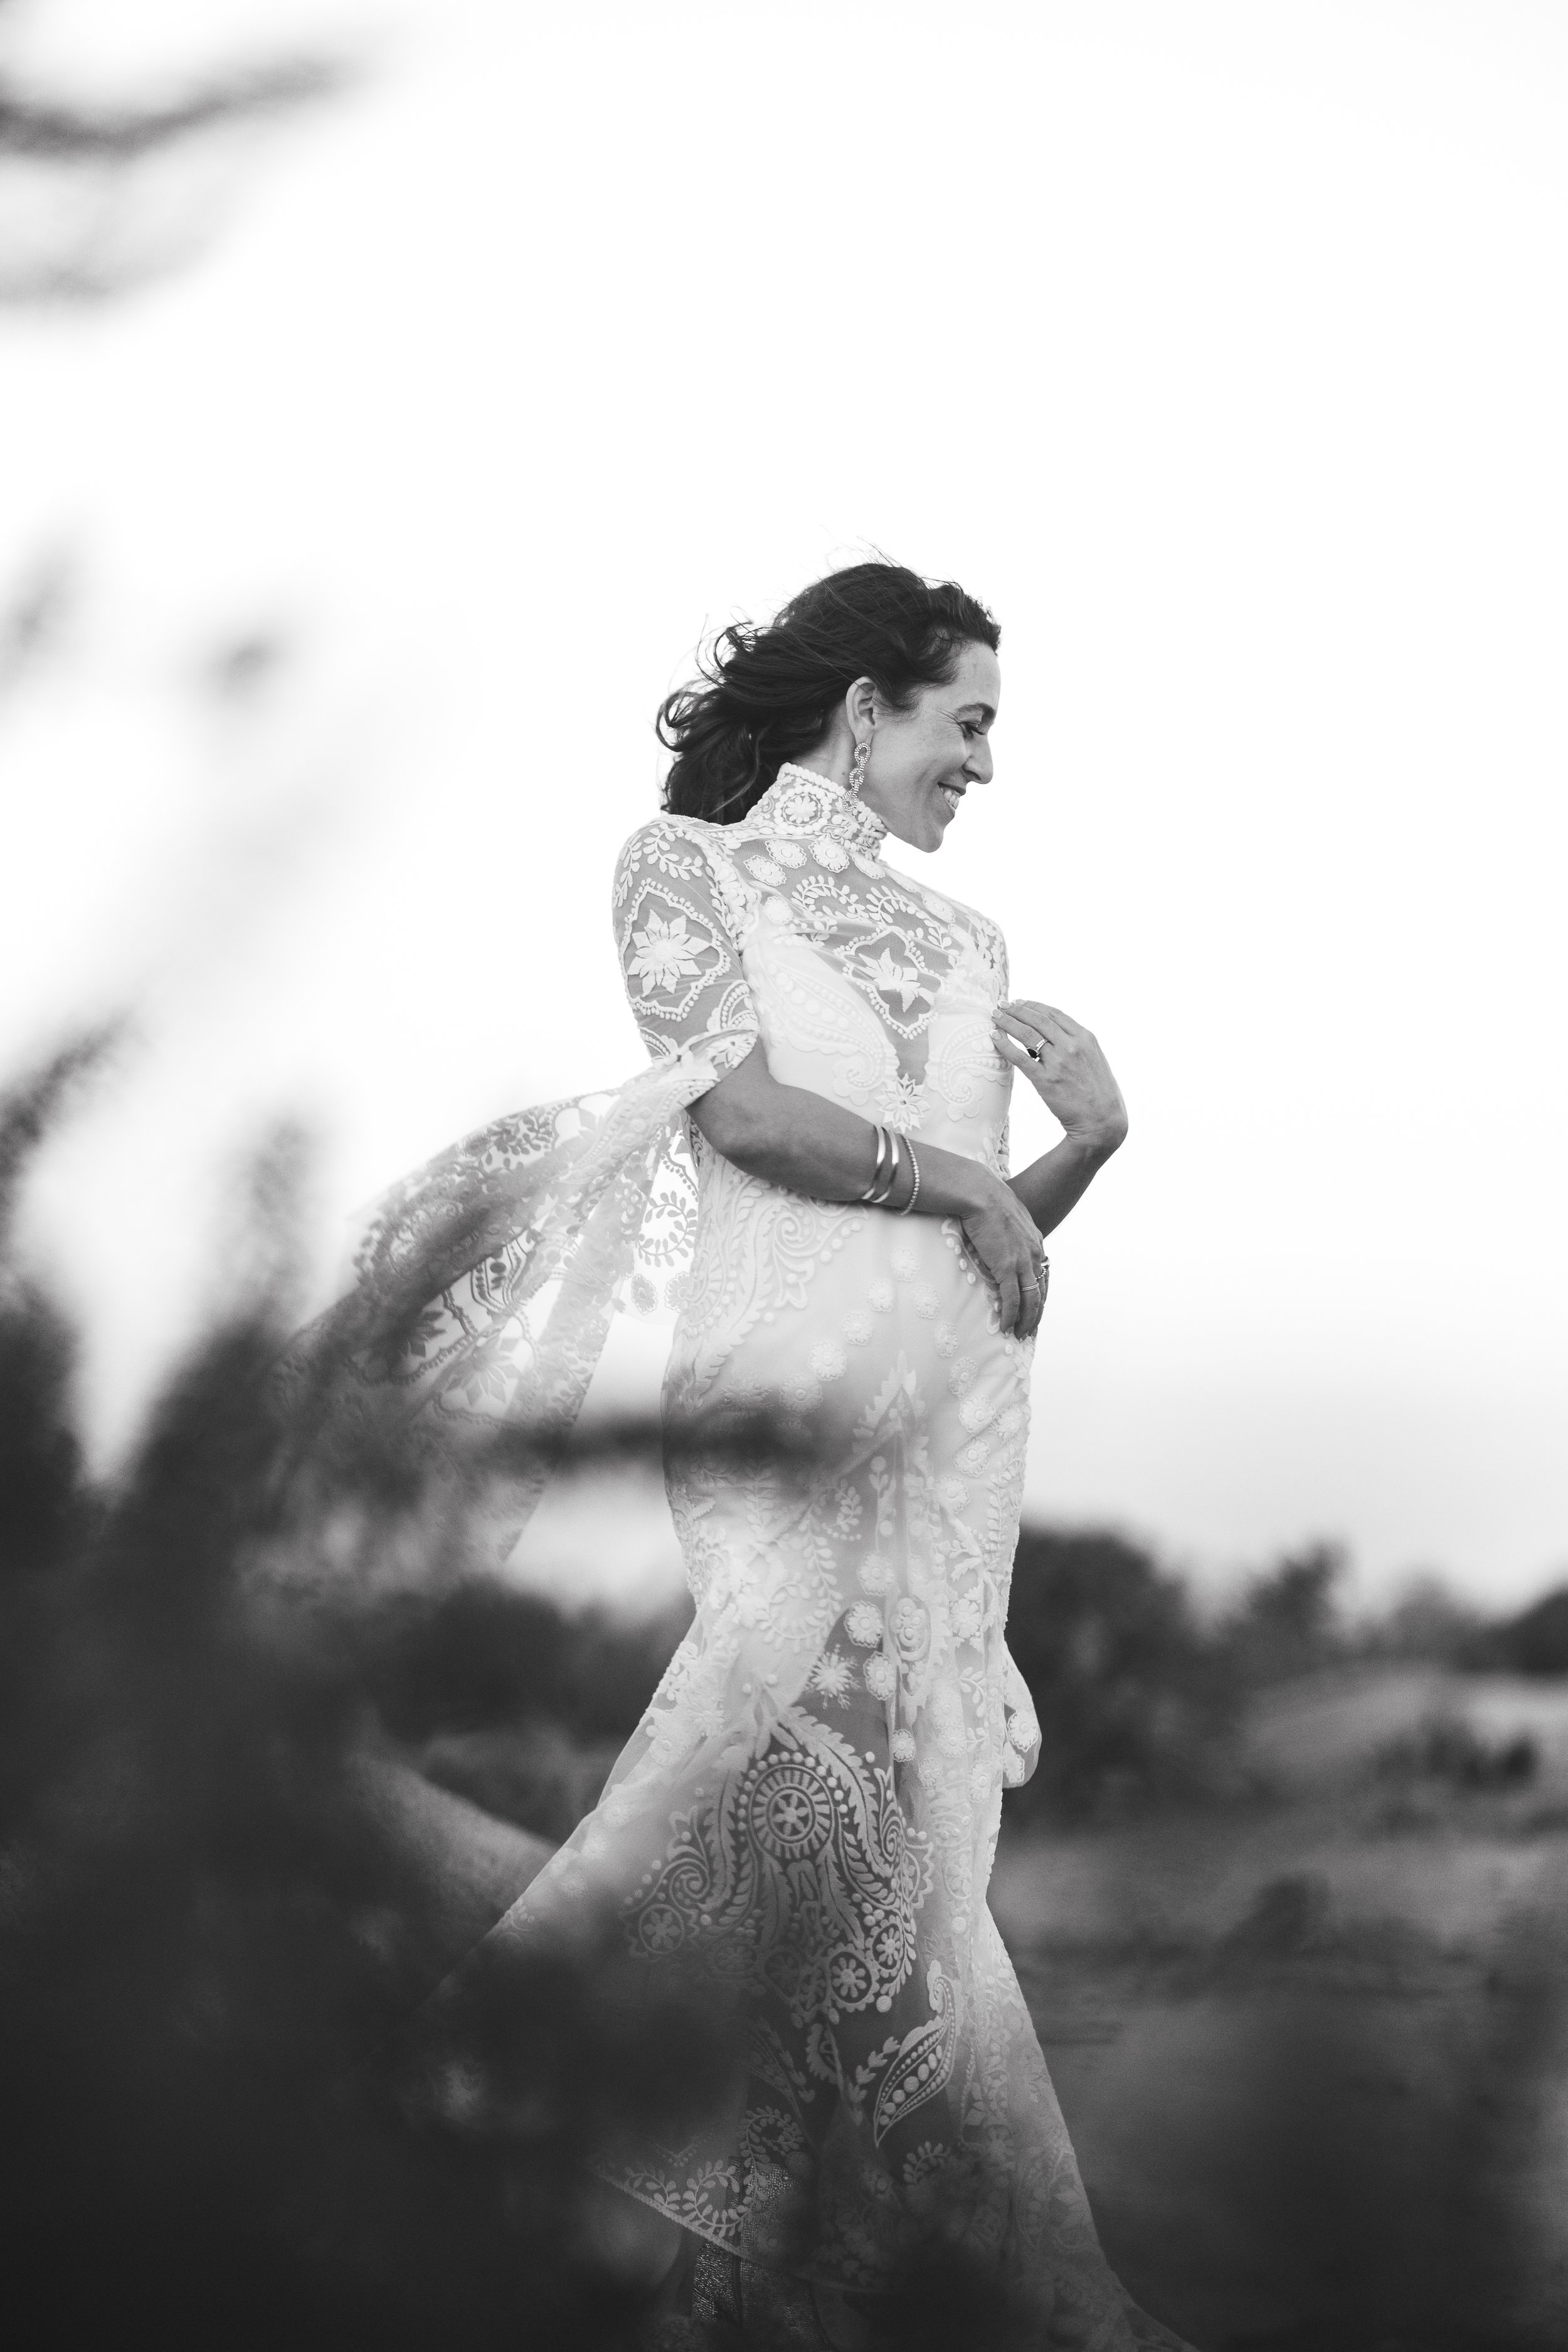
<point>799,804</point>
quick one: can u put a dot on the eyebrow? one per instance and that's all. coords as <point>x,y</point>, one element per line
<point>984,708</point>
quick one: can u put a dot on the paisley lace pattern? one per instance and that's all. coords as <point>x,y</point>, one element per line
<point>488,1279</point>
<point>766,921</point>
<point>807,1815</point>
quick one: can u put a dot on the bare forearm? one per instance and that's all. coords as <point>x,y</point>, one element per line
<point>1063,1062</point>
<point>800,1141</point>
<point>1058,1180</point>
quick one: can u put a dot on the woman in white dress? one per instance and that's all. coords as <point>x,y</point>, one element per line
<point>807,1815</point>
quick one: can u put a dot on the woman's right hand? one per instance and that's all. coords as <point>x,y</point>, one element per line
<point>1007,1241</point>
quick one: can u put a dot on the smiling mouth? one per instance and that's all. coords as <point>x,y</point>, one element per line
<point>951,794</point>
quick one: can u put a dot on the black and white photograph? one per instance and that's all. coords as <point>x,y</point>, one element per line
<point>783,1289</point>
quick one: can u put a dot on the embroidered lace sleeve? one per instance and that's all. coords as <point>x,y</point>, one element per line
<point>994,947</point>
<point>990,941</point>
<point>988,938</point>
<point>678,907</point>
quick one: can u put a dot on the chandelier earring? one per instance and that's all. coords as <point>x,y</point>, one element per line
<point>858,764</point>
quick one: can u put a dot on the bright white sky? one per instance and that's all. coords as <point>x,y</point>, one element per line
<point>1221,348</point>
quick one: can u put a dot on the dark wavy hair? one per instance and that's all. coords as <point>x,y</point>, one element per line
<point>768,695</point>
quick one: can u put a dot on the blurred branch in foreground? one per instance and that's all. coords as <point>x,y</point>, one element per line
<point>226,1887</point>
<point>33,616</point>
<point>97,197</point>
<point>274,1754</point>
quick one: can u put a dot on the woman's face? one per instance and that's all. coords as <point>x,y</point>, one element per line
<point>923,760</point>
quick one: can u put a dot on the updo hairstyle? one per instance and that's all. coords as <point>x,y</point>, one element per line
<point>769,694</point>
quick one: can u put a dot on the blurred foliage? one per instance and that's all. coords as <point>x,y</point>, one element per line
<point>1134,1700</point>
<point>222,1898</point>
<point>514,1704</point>
<point>1287,1620</point>
<point>485,1651</point>
<point>1142,1698</point>
<point>1426,1622</point>
<point>1446,1749</point>
<point>225,1897</point>
<point>1535,1641</point>
<point>261,1749</point>
<point>100,195</point>
<point>521,1707</point>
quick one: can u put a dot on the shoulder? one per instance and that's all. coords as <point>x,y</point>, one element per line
<point>663,836</point>
<point>987,932</point>
<point>675,847</point>
<point>669,852</point>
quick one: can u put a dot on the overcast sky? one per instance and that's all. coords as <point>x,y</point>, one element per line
<point>1222,349</point>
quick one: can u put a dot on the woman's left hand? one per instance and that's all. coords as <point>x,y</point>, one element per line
<point>1063,1062</point>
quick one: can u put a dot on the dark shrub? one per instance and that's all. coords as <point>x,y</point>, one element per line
<point>1533,1642</point>
<point>1132,1701</point>
<point>1288,1621</point>
<point>1448,1749</point>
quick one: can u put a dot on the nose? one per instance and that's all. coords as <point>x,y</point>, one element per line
<point>980,767</point>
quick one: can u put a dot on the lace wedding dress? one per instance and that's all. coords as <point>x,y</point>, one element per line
<point>808,1812</point>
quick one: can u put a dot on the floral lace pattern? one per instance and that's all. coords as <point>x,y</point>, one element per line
<point>808,1812</point>
<point>807,1815</point>
<point>753,929</point>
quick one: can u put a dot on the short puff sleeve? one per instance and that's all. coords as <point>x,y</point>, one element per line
<point>678,907</point>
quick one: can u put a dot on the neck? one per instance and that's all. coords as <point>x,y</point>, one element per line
<point>805,803</point>
<point>832,756</point>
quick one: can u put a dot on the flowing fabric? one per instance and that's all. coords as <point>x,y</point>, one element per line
<point>488,1281</point>
<point>807,1815</point>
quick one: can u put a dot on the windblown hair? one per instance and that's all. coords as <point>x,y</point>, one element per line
<point>768,695</point>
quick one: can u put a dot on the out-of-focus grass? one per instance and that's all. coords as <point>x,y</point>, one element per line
<point>1313,2045</point>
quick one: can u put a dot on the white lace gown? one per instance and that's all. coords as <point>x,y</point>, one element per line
<point>808,1812</point>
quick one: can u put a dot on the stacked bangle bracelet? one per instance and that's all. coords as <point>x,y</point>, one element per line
<point>915,1188</point>
<point>886,1169</point>
<point>878,1192</point>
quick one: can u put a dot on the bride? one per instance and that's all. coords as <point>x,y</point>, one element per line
<point>807,1815</point>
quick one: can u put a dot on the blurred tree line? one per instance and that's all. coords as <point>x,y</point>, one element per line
<point>520,1706</point>
<point>245,1679</point>
<point>1142,1695</point>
